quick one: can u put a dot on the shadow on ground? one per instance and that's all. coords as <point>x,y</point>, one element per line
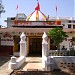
<point>55,72</point>
<point>4,59</point>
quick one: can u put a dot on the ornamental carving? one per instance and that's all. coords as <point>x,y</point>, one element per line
<point>7,35</point>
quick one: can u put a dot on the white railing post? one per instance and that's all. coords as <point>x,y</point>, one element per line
<point>12,63</point>
<point>44,48</point>
<point>23,51</point>
<point>15,64</point>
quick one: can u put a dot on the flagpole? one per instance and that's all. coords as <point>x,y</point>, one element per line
<point>56,14</point>
<point>17,9</point>
<point>56,11</point>
<point>37,2</point>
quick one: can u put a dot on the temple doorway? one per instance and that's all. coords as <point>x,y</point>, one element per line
<point>35,46</point>
<point>16,47</point>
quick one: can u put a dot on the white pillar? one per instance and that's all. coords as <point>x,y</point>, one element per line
<point>44,45</point>
<point>49,64</point>
<point>48,43</point>
<point>44,48</point>
<point>12,63</point>
<point>23,45</point>
<point>13,59</point>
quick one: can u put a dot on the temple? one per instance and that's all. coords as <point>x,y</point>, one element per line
<point>34,26</point>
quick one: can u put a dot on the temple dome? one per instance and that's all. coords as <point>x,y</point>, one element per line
<point>37,15</point>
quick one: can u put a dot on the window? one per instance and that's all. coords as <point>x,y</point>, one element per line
<point>73,21</point>
<point>63,24</point>
<point>69,21</point>
<point>73,40</point>
<point>12,18</point>
<point>74,26</point>
<point>0,40</point>
<point>69,25</point>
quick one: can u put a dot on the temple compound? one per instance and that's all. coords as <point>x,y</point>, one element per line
<point>34,39</point>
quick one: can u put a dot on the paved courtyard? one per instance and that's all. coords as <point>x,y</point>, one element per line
<point>32,66</point>
<point>33,63</point>
<point>4,60</point>
<point>56,72</point>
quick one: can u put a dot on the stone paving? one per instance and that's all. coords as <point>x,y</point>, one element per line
<point>4,60</point>
<point>32,63</point>
<point>32,66</point>
<point>56,72</point>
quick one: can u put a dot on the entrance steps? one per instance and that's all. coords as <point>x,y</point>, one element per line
<point>34,59</point>
<point>33,64</point>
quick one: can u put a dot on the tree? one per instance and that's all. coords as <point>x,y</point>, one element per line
<point>1,8</point>
<point>57,35</point>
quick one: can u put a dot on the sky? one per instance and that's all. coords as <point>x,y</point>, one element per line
<point>65,8</point>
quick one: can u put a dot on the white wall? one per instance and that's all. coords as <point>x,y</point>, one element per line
<point>65,23</point>
<point>8,41</point>
<point>64,61</point>
<point>67,42</point>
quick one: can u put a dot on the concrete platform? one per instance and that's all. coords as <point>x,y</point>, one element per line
<point>32,64</point>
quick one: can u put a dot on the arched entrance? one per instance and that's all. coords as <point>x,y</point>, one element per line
<point>35,46</point>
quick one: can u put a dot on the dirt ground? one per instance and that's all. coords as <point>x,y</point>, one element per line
<point>55,72</point>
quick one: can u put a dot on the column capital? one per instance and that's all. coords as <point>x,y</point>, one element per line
<point>44,37</point>
<point>23,36</point>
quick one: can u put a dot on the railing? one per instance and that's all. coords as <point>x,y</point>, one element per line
<point>58,53</point>
<point>60,62</point>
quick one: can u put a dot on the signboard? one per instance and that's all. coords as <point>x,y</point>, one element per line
<point>33,23</point>
<point>7,39</point>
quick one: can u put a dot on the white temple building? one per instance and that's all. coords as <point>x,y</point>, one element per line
<point>34,26</point>
<point>27,36</point>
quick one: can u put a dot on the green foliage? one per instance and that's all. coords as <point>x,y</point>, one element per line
<point>57,35</point>
<point>1,8</point>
